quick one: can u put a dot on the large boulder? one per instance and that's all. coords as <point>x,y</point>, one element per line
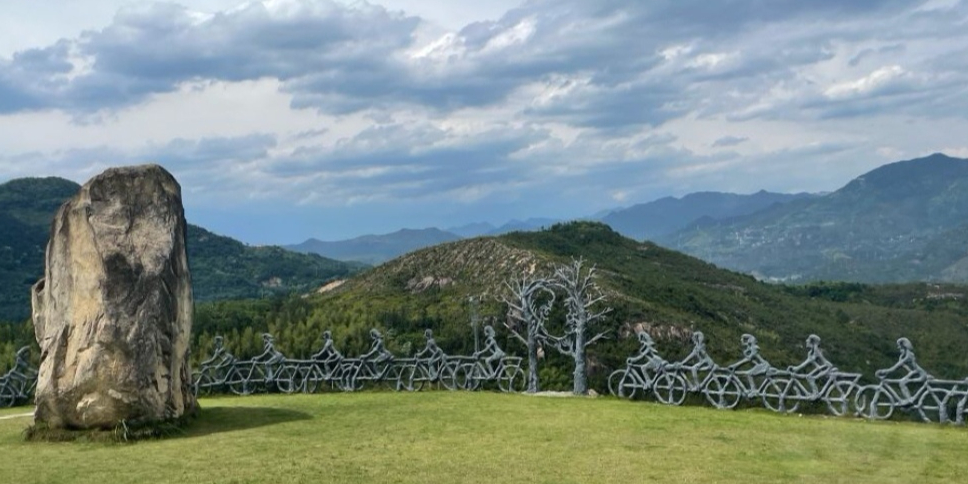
<point>113,313</point>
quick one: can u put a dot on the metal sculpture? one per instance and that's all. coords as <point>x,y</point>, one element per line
<point>257,374</point>
<point>700,374</point>
<point>376,365</point>
<point>909,387</point>
<point>525,309</point>
<point>903,386</point>
<point>427,366</point>
<point>491,364</point>
<point>581,295</point>
<point>18,384</point>
<point>816,379</point>
<point>640,372</point>
<point>213,372</point>
<point>322,368</point>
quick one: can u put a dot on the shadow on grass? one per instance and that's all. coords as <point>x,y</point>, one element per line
<point>230,419</point>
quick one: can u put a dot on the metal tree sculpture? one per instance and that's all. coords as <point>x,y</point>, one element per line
<point>581,295</point>
<point>525,307</point>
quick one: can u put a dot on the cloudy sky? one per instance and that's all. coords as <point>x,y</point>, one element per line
<point>289,119</point>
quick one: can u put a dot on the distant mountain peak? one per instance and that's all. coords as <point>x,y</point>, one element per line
<point>669,214</point>
<point>899,222</point>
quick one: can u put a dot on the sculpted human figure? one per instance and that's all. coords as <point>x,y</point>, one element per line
<point>377,353</point>
<point>431,353</point>
<point>21,367</point>
<point>491,351</point>
<point>755,363</point>
<point>328,353</point>
<point>270,356</point>
<point>815,366</point>
<point>698,359</point>
<point>647,354</point>
<point>220,356</point>
<point>913,373</point>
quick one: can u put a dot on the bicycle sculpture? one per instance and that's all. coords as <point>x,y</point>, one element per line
<point>322,368</point>
<point>430,366</point>
<point>750,378</point>
<point>908,387</point>
<point>212,374</point>
<point>18,384</point>
<point>905,386</point>
<point>491,365</point>
<point>700,374</point>
<point>641,372</point>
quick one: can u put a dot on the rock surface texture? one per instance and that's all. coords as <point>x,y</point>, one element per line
<point>113,313</point>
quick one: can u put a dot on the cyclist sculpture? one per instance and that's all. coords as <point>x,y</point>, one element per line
<point>491,352</point>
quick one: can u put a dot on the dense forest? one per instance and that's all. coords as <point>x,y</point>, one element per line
<point>222,267</point>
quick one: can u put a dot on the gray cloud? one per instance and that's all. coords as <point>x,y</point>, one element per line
<point>556,102</point>
<point>340,59</point>
<point>727,141</point>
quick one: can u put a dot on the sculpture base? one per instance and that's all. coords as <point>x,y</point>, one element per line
<point>121,433</point>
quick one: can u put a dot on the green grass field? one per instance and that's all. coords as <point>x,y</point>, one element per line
<point>494,438</point>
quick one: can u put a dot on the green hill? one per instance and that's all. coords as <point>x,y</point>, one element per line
<point>665,292</point>
<point>902,222</point>
<point>222,268</point>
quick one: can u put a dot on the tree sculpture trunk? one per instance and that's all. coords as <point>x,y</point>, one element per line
<point>534,386</point>
<point>581,378</point>
<point>581,294</point>
<point>525,308</point>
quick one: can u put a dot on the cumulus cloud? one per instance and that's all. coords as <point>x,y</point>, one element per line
<point>556,99</point>
<point>342,59</point>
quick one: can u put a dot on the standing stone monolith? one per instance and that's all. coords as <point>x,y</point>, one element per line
<point>113,313</point>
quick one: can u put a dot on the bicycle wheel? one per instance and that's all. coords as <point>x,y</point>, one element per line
<point>931,405</point>
<point>350,383</point>
<point>391,375</point>
<point>628,387</point>
<point>670,388</point>
<point>287,380</point>
<point>791,396</point>
<point>512,381</point>
<point>237,382</point>
<point>202,384</point>
<point>7,396</point>
<point>405,378</point>
<point>421,378</point>
<point>470,376</point>
<point>614,382</point>
<point>722,392</point>
<point>449,378</point>
<point>873,402</point>
<point>772,395</point>
<point>837,398</point>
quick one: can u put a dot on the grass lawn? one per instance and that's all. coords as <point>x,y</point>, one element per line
<point>494,438</point>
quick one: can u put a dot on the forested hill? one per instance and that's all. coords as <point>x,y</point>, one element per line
<point>905,221</point>
<point>667,293</point>
<point>222,268</point>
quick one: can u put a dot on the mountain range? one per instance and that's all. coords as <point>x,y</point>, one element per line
<point>378,248</point>
<point>222,268</point>
<point>648,221</point>
<point>905,221</point>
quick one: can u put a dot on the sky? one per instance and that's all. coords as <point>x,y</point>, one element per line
<point>290,119</point>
